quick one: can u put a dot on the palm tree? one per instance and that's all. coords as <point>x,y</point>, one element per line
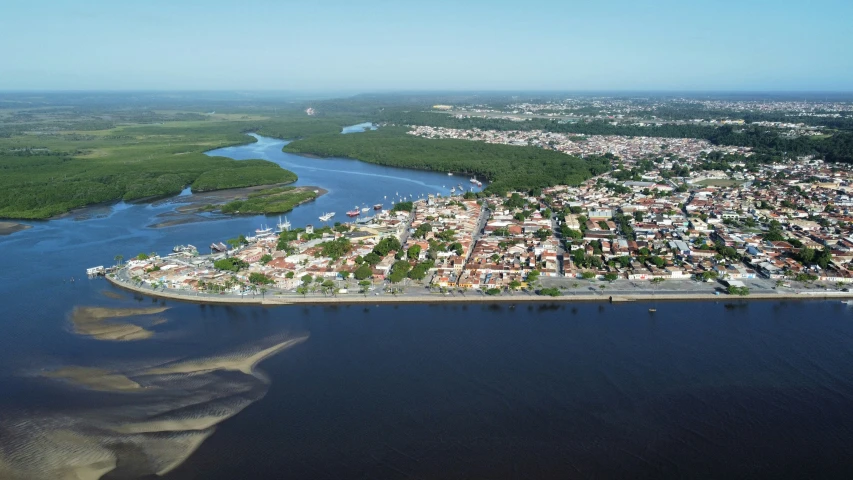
<point>118,259</point>
<point>263,292</point>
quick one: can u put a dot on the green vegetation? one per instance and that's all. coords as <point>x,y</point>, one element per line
<point>493,291</point>
<point>551,292</point>
<point>271,200</point>
<point>335,248</point>
<point>506,167</point>
<point>245,173</point>
<point>230,264</point>
<point>742,291</point>
<point>403,207</point>
<point>259,279</point>
<point>49,167</point>
<point>363,272</point>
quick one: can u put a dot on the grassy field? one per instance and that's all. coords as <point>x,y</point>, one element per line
<point>52,161</point>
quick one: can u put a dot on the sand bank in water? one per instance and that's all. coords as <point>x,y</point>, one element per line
<point>95,378</point>
<point>8,228</point>
<point>147,433</point>
<point>93,322</point>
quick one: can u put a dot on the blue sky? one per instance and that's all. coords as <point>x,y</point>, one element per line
<point>366,45</point>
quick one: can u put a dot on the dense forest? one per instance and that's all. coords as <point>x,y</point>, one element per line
<point>245,173</point>
<point>505,167</point>
<point>46,174</point>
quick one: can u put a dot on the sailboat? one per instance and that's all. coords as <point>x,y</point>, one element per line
<point>264,230</point>
<point>283,226</point>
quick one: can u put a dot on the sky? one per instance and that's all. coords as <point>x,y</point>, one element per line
<point>366,45</point>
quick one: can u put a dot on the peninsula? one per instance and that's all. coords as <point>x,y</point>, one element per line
<point>557,244</point>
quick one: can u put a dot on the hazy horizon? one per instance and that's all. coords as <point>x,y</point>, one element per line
<point>437,46</point>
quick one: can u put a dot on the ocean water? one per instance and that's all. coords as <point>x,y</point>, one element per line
<point>697,390</point>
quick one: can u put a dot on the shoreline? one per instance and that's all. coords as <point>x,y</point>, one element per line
<point>470,298</point>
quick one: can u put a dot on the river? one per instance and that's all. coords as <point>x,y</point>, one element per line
<point>712,390</point>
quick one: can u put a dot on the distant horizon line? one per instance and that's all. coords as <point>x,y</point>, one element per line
<point>420,91</point>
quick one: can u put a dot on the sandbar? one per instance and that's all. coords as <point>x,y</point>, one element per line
<point>8,228</point>
<point>92,321</point>
<point>94,378</point>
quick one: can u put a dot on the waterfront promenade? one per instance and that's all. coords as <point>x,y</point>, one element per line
<point>420,294</point>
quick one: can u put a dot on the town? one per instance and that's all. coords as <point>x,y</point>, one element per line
<point>673,216</point>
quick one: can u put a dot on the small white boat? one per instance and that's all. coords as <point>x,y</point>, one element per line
<point>449,174</point>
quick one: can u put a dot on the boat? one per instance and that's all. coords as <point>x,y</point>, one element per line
<point>378,206</point>
<point>283,226</point>
<point>327,216</point>
<point>453,190</point>
<point>449,174</point>
<point>184,248</point>
<point>653,310</point>
<point>263,230</point>
<point>364,210</point>
<point>473,180</point>
<point>353,213</point>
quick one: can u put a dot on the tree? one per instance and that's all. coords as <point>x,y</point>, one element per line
<point>290,275</point>
<point>418,273</point>
<point>414,252</point>
<point>328,286</point>
<point>363,272</point>
<point>397,276</point>
<point>142,256</point>
<point>422,230</point>
<point>533,276</point>
<point>742,291</point>
<point>335,248</point>
<point>302,290</point>
<point>259,279</point>
<point>493,291</point>
<point>230,264</point>
<point>588,275</point>
<point>365,286</point>
<point>306,279</point>
<point>267,258</point>
<point>514,284</point>
<point>551,292</point>
<point>709,275</point>
<point>118,259</point>
<point>610,277</point>
<point>372,258</point>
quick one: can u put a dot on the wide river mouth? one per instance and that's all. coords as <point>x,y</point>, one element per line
<point>97,382</point>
